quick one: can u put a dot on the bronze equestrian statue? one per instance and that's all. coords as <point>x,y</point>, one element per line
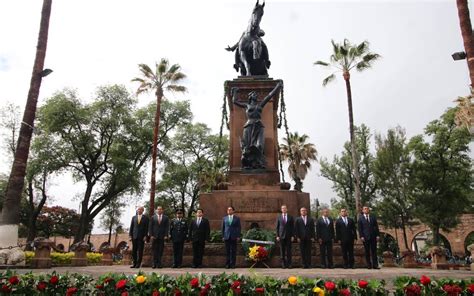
<point>251,53</point>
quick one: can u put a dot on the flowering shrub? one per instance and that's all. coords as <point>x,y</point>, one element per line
<point>223,284</point>
<point>411,286</point>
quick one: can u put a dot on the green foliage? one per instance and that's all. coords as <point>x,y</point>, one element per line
<point>187,284</point>
<point>299,158</point>
<point>58,221</point>
<point>3,188</point>
<point>340,171</point>
<point>347,56</point>
<point>392,172</point>
<point>94,258</point>
<point>215,236</point>
<point>61,258</point>
<point>405,285</point>
<point>442,173</point>
<point>191,157</point>
<point>28,256</point>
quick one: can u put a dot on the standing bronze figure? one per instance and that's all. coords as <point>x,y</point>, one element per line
<point>252,142</point>
<point>251,53</point>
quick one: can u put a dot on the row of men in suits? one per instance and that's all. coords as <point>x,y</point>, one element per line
<point>303,229</point>
<point>159,228</point>
<point>325,231</point>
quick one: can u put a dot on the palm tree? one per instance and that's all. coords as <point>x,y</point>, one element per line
<point>466,31</point>
<point>299,158</point>
<point>163,78</point>
<point>10,215</point>
<point>345,58</point>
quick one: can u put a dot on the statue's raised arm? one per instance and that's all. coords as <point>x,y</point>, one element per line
<point>233,92</point>
<point>271,94</point>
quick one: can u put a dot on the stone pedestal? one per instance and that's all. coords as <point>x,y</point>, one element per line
<point>127,257</point>
<point>80,254</point>
<point>107,258</point>
<point>388,259</point>
<point>256,195</point>
<point>438,258</point>
<point>409,259</point>
<point>42,258</point>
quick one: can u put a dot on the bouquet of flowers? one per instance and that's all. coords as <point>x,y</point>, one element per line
<point>258,253</point>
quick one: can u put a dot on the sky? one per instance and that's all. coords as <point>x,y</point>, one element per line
<point>92,43</point>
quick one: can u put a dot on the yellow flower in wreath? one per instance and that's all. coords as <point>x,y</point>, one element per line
<point>140,279</point>
<point>292,280</point>
<point>253,252</point>
<point>318,291</point>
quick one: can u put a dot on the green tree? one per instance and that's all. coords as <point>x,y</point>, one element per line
<point>340,171</point>
<point>192,154</point>
<point>392,167</point>
<point>111,216</point>
<point>10,215</point>
<point>10,125</point>
<point>162,78</point>
<point>443,174</point>
<point>59,221</point>
<point>346,57</point>
<point>302,154</point>
<point>104,143</point>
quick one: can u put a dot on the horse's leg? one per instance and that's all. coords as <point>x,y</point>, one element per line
<point>243,59</point>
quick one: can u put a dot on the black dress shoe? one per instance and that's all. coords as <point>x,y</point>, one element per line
<point>194,266</point>
<point>289,267</point>
<point>154,266</point>
<point>133,266</point>
<point>376,267</point>
<point>369,267</point>
<point>227,266</point>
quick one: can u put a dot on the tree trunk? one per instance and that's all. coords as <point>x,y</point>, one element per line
<point>34,212</point>
<point>355,166</point>
<point>466,31</point>
<point>84,220</point>
<point>110,233</point>
<point>159,96</point>
<point>405,238</point>
<point>10,215</point>
<point>436,238</point>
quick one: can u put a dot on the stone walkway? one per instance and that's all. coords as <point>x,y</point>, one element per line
<point>388,274</point>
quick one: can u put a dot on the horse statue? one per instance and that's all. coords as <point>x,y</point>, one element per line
<point>251,53</point>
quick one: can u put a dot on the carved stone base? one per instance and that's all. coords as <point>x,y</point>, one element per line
<point>107,256</point>
<point>42,258</point>
<point>388,259</point>
<point>252,205</point>
<point>409,259</point>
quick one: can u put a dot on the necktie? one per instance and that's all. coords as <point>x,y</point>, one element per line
<point>304,218</point>
<point>139,218</point>
<point>367,218</point>
<point>284,219</point>
<point>230,220</point>
<point>326,221</point>
<point>159,219</point>
<point>345,221</point>
<point>199,222</point>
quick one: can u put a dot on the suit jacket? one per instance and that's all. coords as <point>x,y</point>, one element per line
<point>178,230</point>
<point>139,230</point>
<point>345,233</point>
<point>201,232</point>
<point>231,230</point>
<point>304,231</point>
<point>368,230</point>
<point>325,231</point>
<point>161,230</point>
<point>285,230</point>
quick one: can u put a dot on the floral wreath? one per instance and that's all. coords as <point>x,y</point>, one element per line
<point>258,251</point>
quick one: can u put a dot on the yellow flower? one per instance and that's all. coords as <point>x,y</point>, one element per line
<point>253,252</point>
<point>292,280</point>
<point>140,279</point>
<point>318,291</point>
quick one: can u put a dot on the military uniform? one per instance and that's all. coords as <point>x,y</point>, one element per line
<point>178,233</point>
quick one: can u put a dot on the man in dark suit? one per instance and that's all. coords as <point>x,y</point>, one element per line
<point>346,234</point>
<point>284,235</point>
<point>325,236</point>
<point>369,234</point>
<point>158,232</point>
<point>138,233</point>
<point>199,232</point>
<point>231,233</point>
<point>304,233</point>
<point>178,234</point>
